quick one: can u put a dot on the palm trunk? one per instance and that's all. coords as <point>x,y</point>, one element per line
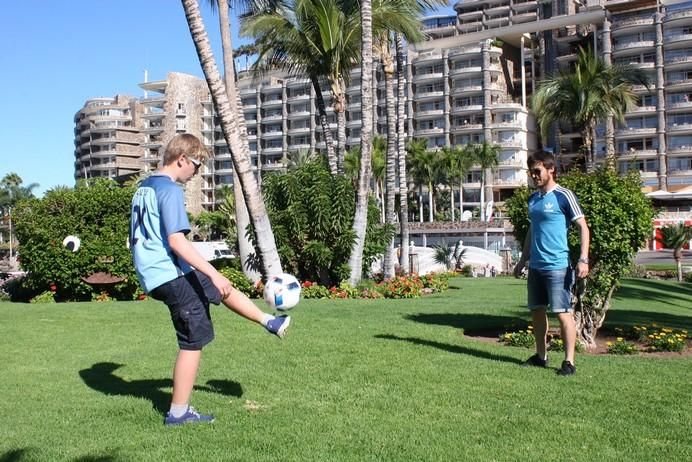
<point>340,109</point>
<point>326,131</point>
<point>242,218</point>
<point>461,199</point>
<point>431,212</point>
<point>482,210</point>
<point>390,172</point>
<point>360,219</point>
<point>225,101</point>
<point>401,152</point>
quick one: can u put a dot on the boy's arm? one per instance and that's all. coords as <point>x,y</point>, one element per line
<point>525,254</point>
<point>185,250</point>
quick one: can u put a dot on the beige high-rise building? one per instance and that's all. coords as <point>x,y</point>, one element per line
<point>471,82</point>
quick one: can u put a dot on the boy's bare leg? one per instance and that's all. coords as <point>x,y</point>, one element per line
<point>184,375</point>
<point>239,303</point>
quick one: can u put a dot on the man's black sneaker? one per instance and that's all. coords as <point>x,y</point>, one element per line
<point>567,369</point>
<point>536,361</point>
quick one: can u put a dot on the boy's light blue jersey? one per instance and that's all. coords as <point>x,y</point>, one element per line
<point>551,215</point>
<point>158,210</point>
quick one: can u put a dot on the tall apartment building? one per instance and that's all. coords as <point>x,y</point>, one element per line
<point>470,82</point>
<point>108,140</point>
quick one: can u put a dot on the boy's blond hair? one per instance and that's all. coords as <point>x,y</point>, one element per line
<point>187,144</point>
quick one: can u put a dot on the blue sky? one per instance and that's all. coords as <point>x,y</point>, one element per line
<point>55,55</point>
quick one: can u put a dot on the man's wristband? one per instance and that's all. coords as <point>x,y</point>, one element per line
<point>583,260</point>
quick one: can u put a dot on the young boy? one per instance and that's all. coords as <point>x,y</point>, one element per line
<point>171,270</point>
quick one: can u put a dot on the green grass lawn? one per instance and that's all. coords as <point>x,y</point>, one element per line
<point>359,380</point>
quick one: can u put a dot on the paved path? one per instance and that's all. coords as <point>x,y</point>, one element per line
<point>662,256</point>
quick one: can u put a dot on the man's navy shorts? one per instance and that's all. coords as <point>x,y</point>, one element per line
<point>188,298</point>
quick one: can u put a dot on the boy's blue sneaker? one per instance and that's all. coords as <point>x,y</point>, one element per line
<point>191,416</point>
<point>279,325</point>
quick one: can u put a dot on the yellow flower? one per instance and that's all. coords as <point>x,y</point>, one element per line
<point>609,343</point>
<point>619,339</point>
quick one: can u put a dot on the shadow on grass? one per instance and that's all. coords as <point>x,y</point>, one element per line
<point>101,378</point>
<point>474,323</point>
<point>14,455</point>
<point>453,348</point>
<point>19,455</point>
<point>648,289</point>
<point>624,318</point>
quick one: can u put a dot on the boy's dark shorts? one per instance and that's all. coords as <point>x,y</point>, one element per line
<point>188,298</point>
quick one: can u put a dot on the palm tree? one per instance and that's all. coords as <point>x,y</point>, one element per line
<point>461,164</point>
<point>297,159</point>
<point>12,191</point>
<point>486,155</point>
<point>401,154</point>
<point>426,169</point>
<point>360,218</point>
<point>590,93</point>
<point>379,166</point>
<point>242,218</point>
<point>415,149</point>
<point>225,99</point>
<point>675,237</point>
<point>313,38</point>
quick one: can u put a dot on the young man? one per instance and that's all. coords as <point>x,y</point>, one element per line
<point>552,209</point>
<point>172,271</point>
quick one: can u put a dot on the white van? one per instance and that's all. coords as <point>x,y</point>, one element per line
<point>213,250</point>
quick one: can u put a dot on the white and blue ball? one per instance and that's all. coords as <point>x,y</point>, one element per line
<point>282,292</point>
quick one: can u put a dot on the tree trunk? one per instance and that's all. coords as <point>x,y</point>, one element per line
<point>677,254</point>
<point>589,316</point>
<point>461,199</point>
<point>390,172</point>
<point>242,218</point>
<point>324,121</point>
<point>340,109</point>
<point>225,101</point>
<point>401,153</point>
<point>360,219</point>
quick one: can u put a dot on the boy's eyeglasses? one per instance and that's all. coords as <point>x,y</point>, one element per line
<point>196,163</point>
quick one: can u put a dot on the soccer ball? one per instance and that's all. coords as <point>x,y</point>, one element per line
<point>282,292</point>
<point>72,243</point>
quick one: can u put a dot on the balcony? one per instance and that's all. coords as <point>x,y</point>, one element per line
<point>425,95</point>
<point>675,38</point>
<point>428,114</point>
<point>677,16</point>
<point>272,150</point>
<point>427,76</point>
<point>467,108</point>
<point>634,132</point>
<point>617,47</point>
<point>429,131</point>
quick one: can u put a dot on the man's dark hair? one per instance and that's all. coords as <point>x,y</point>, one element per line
<point>544,157</point>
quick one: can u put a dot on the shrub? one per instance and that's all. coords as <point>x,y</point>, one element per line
<point>240,281</point>
<point>555,343</point>
<point>312,212</point>
<point>620,220</point>
<point>666,340</point>
<point>98,212</point>
<point>44,297</point>
<point>438,282</point>
<point>521,338</point>
<point>621,347</point>
<point>402,287</point>
<point>313,290</point>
